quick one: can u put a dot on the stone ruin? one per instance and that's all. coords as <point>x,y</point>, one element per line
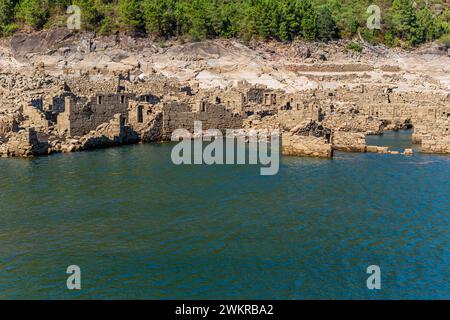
<point>73,116</point>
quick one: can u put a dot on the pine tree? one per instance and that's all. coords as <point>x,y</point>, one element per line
<point>404,21</point>
<point>326,26</point>
<point>309,25</point>
<point>262,19</point>
<point>130,14</point>
<point>34,13</point>
<point>6,13</point>
<point>91,13</point>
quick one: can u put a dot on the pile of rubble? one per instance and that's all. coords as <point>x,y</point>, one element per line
<point>350,122</point>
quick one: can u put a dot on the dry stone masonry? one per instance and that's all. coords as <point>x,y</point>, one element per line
<point>65,116</point>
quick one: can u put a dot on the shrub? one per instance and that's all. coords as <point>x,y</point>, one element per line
<point>9,29</point>
<point>354,47</point>
<point>445,40</point>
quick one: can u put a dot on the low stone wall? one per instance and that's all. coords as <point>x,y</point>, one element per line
<point>294,145</point>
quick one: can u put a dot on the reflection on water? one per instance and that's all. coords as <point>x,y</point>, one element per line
<point>140,227</point>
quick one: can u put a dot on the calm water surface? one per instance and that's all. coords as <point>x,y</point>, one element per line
<point>140,227</point>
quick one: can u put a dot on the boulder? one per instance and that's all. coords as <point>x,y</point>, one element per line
<point>408,152</point>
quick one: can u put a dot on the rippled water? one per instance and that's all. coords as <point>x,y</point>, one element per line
<point>140,227</point>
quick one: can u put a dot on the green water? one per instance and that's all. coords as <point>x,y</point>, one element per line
<point>140,227</point>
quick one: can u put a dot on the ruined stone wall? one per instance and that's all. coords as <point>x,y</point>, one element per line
<point>437,137</point>
<point>58,102</point>
<point>36,117</point>
<point>232,99</point>
<point>213,116</point>
<point>139,113</point>
<point>372,101</point>
<point>364,109</point>
<point>295,145</point>
<point>82,115</point>
<point>349,141</point>
<point>351,122</point>
<point>432,131</point>
<point>109,134</point>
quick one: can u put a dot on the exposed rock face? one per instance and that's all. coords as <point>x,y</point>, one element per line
<point>23,144</point>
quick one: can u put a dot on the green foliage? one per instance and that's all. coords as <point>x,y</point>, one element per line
<point>130,14</point>
<point>404,22</point>
<point>354,47</point>
<point>326,26</point>
<point>160,17</point>
<point>91,13</point>
<point>9,29</point>
<point>6,16</point>
<point>445,40</point>
<point>309,26</point>
<point>6,11</point>
<point>34,13</point>
<point>412,25</point>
